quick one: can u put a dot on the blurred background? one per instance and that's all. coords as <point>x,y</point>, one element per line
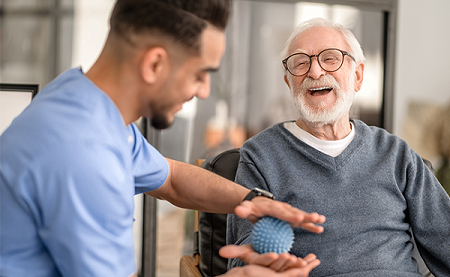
<point>405,43</point>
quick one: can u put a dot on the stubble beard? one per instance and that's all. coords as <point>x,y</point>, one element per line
<point>160,122</point>
<point>158,118</point>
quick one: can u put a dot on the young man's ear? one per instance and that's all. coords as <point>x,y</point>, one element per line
<point>154,62</point>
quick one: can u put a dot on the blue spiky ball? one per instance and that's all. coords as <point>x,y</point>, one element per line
<point>272,235</point>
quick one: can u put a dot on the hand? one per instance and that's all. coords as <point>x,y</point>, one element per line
<point>269,264</point>
<point>258,271</point>
<point>262,206</point>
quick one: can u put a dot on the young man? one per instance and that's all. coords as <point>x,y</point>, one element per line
<point>372,187</point>
<point>72,161</point>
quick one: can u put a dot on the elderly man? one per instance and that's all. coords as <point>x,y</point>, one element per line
<point>71,163</point>
<point>371,186</point>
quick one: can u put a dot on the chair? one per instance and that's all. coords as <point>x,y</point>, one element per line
<point>210,228</point>
<point>210,233</point>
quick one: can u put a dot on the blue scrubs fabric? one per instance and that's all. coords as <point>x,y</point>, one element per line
<point>69,168</point>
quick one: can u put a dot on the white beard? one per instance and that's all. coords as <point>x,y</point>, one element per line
<point>320,116</point>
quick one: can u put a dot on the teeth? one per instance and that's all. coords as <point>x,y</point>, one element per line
<point>321,88</point>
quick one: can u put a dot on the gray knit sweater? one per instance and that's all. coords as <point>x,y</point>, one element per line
<point>371,194</point>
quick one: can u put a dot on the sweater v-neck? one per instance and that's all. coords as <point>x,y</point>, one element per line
<point>330,147</point>
<point>322,158</point>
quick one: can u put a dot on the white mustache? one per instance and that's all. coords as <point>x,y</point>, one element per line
<point>324,81</point>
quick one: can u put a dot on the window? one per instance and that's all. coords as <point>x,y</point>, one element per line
<point>36,40</point>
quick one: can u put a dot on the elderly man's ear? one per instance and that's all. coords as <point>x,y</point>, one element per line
<point>359,76</point>
<point>286,80</point>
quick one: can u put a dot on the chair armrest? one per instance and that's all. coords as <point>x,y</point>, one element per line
<point>189,267</point>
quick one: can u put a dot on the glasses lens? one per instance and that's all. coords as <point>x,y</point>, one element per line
<point>298,64</point>
<point>331,60</point>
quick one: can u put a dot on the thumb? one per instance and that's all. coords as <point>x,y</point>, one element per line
<point>244,209</point>
<point>233,251</point>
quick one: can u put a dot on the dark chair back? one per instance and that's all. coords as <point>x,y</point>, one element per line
<point>213,227</point>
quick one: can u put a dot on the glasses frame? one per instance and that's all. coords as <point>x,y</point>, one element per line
<point>344,53</point>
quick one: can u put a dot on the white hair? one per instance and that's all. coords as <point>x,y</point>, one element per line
<point>355,47</point>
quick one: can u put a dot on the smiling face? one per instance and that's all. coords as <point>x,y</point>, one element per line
<point>323,97</point>
<point>188,77</point>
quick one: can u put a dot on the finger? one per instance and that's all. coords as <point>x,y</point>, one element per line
<point>234,251</point>
<point>258,271</point>
<point>246,254</point>
<point>298,263</point>
<point>311,265</point>
<point>244,210</point>
<point>305,268</point>
<point>285,212</point>
<point>310,257</point>
<point>301,263</point>
<point>266,259</point>
<point>285,261</point>
<point>261,206</point>
<point>310,220</point>
<point>293,272</point>
<point>297,272</point>
<point>312,227</point>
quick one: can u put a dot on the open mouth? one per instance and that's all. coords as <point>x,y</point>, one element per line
<point>320,91</point>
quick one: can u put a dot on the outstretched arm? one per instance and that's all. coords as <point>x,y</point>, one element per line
<point>192,187</point>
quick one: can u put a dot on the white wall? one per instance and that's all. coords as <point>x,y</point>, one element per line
<point>91,25</point>
<point>423,60</point>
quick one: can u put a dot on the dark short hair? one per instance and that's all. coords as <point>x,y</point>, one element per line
<point>216,12</point>
<point>182,21</point>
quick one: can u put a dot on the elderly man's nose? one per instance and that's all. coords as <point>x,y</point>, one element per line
<point>315,71</point>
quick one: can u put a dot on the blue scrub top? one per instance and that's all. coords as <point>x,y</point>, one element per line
<point>69,168</point>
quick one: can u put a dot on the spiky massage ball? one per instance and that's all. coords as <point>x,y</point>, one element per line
<point>272,235</point>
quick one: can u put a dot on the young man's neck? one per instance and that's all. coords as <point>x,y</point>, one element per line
<point>116,81</point>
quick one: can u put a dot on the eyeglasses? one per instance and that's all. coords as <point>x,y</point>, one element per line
<point>330,60</point>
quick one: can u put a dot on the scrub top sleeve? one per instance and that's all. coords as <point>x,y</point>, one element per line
<point>150,168</point>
